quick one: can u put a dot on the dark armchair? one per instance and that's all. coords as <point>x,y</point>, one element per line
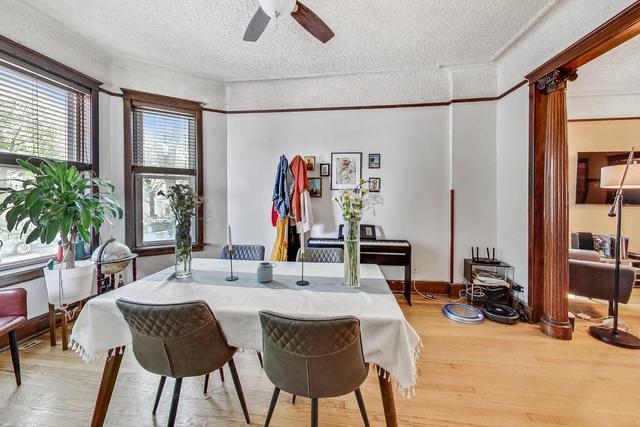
<point>13,314</point>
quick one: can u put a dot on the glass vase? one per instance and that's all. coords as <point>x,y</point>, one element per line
<point>352,253</point>
<point>183,248</point>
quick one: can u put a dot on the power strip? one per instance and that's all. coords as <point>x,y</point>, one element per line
<point>583,316</point>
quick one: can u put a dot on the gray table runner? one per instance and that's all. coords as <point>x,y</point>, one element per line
<point>280,281</point>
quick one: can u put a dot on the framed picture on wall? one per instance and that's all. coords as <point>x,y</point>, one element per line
<point>325,169</point>
<point>346,170</point>
<point>310,162</point>
<point>315,187</point>
<point>374,185</point>
<point>374,161</point>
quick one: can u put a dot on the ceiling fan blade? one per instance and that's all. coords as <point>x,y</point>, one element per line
<point>257,26</point>
<point>312,23</point>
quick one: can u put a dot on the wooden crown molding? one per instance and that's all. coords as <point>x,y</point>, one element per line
<point>38,62</point>
<point>622,27</point>
<point>556,80</point>
<point>163,100</point>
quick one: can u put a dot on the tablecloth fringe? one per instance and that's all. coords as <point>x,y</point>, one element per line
<point>406,392</point>
<point>77,347</point>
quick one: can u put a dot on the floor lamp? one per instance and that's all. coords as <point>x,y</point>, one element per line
<point>620,177</point>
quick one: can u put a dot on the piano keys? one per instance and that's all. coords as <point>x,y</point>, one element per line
<point>378,251</point>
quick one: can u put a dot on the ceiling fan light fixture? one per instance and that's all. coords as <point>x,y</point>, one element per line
<point>277,8</point>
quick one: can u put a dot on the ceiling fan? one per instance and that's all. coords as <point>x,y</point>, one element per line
<point>275,9</point>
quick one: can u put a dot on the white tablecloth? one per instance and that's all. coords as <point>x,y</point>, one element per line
<point>387,338</point>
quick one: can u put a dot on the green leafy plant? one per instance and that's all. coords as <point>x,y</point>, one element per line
<point>183,202</point>
<point>58,200</point>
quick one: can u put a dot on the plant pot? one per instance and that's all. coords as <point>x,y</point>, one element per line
<point>76,283</point>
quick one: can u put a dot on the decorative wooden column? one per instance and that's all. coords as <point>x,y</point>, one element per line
<point>555,314</point>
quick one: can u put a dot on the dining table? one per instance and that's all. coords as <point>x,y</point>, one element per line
<point>390,344</point>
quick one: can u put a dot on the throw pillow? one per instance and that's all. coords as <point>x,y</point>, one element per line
<point>602,244</point>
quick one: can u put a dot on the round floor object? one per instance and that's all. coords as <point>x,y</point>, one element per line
<point>463,313</point>
<point>501,313</point>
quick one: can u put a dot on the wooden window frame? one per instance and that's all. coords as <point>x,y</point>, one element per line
<point>167,103</point>
<point>58,74</point>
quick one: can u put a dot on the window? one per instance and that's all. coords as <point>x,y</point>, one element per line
<point>45,113</point>
<point>163,140</point>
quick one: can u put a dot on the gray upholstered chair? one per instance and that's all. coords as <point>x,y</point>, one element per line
<point>244,252</point>
<point>179,340</point>
<point>314,358</point>
<point>322,255</point>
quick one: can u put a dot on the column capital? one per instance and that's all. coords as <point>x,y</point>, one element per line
<point>556,80</point>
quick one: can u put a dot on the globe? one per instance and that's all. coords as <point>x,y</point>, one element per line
<point>114,256</point>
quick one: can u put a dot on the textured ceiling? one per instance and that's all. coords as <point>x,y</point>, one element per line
<point>617,72</point>
<point>204,37</point>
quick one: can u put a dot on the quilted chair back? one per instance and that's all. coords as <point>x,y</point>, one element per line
<point>244,252</point>
<point>322,255</point>
<point>314,358</point>
<point>176,340</point>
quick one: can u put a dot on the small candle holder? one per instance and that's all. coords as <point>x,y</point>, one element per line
<point>302,282</point>
<point>231,278</point>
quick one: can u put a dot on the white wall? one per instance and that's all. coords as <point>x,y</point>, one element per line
<point>512,124</point>
<point>609,135</point>
<point>414,147</point>
<point>473,145</point>
<point>602,106</point>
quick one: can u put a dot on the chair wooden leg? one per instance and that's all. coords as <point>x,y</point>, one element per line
<point>314,412</point>
<point>272,406</point>
<point>363,410</point>
<point>260,359</point>
<point>174,402</point>
<point>221,373</point>
<point>236,382</point>
<point>52,325</point>
<point>206,384</point>
<point>159,393</point>
<point>65,330</point>
<point>15,356</point>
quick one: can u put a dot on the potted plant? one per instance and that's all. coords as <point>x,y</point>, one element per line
<point>59,202</point>
<point>353,203</point>
<point>183,202</point>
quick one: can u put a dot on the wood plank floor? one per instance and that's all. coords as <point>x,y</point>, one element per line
<point>486,375</point>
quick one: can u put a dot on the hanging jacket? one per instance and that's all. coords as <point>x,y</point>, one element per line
<point>306,213</point>
<point>282,189</point>
<point>300,183</point>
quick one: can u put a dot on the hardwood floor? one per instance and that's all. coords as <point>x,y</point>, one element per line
<point>485,375</point>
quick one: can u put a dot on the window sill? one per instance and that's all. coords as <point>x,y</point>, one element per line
<point>163,250</point>
<point>21,274</point>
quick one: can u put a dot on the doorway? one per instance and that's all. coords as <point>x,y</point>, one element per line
<point>549,167</point>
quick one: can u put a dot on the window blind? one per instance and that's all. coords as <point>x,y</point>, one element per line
<point>43,119</point>
<point>163,139</point>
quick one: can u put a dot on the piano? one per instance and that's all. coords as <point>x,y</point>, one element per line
<point>377,251</point>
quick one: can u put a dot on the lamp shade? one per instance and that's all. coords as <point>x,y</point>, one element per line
<point>611,176</point>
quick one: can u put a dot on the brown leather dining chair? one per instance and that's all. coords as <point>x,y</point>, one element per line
<point>13,314</point>
<point>314,358</point>
<point>179,340</point>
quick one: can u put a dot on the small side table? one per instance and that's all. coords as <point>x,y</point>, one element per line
<point>502,272</point>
